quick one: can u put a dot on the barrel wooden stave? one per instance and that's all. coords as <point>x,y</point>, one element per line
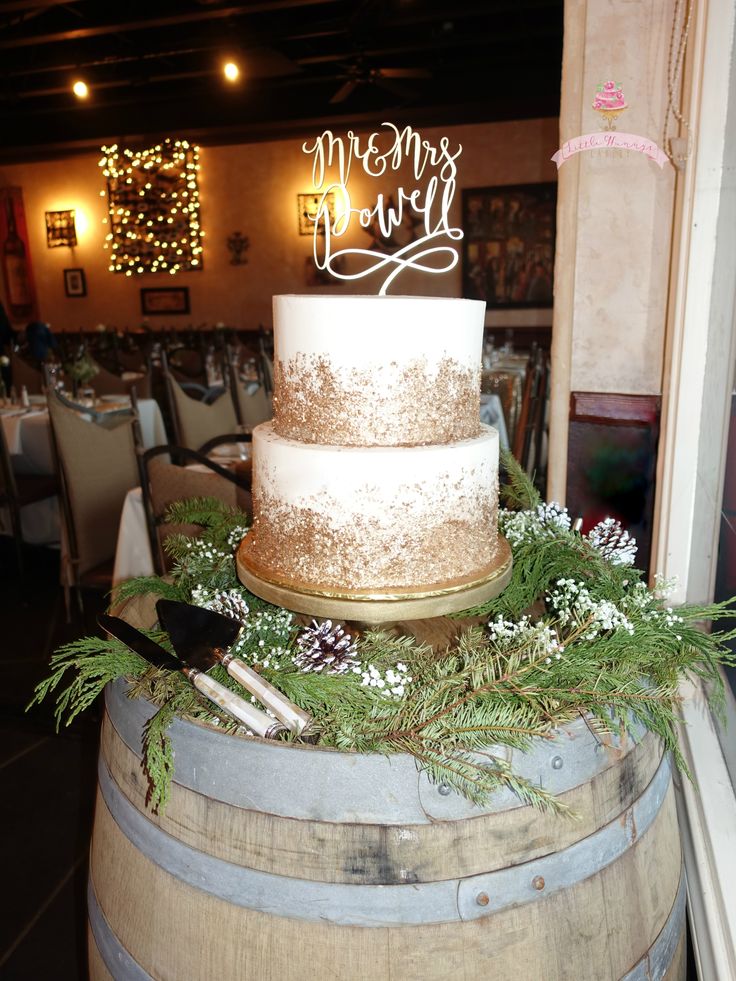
<point>382,854</point>
<point>597,929</point>
<point>170,928</point>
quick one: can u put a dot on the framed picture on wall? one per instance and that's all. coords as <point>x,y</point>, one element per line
<point>509,244</point>
<point>165,300</point>
<point>75,283</point>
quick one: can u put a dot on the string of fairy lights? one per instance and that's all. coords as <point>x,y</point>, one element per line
<point>153,208</point>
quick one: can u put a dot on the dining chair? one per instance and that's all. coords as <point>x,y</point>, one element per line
<point>250,408</point>
<point>226,439</point>
<point>19,490</point>
<point>106,382</point>
<point>529,433</point>
<point>187,364</point>
<point>97,466</point>
<point>233,451</point>
<point>265,359</point>
<point>195,422</point>
<point>164,483</point>
<point>22,373</point>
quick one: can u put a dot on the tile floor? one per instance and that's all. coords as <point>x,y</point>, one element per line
<point>47,783</point>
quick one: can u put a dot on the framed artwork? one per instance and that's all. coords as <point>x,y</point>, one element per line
<point>509,244</point>
<point>20,290</point>
<point>308,207</point>
<point>165,300</point>
<point>75,283</point>
<point>61,229</point>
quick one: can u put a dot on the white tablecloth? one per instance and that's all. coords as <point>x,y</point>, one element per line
<point>28,438</point>
<point>491,413</point>
<point>133,552</point>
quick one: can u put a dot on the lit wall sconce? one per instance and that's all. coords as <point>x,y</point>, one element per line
<point>61,229</point>
<point>308,206</point>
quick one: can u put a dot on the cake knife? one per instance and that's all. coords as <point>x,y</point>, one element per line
<point>203,637</point>
<point>150,651</point>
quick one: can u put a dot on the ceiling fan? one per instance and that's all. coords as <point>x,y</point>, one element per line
<point>359,75</point>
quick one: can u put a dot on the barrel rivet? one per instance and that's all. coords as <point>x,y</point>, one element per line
<point>444,789</point>
<point>482,899</point>
<point>557,762</point>
<point>538,882</point>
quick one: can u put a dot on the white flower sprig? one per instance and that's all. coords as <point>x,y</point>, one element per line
<point>573,604</point>
<point>236,536</point>
<point>544,521</point>
<point>648,605</point>
<point>392,682</point>
<point>540,640</point>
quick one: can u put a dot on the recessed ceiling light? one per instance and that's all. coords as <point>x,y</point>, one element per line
<point>80,89</point>
<point>231,71</point>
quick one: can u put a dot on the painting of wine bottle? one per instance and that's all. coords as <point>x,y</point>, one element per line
<point>15,257</point>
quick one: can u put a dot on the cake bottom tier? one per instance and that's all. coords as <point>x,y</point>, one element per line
<point>354,519</point>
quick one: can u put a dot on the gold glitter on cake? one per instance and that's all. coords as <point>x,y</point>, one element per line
<point>388,405</point>
<point>404,549</point>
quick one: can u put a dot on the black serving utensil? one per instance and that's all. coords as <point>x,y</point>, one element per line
<point>203,637</point>
<point>256,720</point>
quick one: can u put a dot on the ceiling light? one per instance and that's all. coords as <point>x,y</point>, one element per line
<point>80,89</point>
<point>231,71</point>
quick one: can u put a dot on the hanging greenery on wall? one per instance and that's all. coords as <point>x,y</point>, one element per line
<point>153,208</point>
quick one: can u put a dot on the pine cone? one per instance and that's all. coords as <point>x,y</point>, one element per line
<point>229,604</point>
<point>613,542</point>
<point>322,647</point>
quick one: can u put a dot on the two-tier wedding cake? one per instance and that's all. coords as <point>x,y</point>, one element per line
<point>375,486</point>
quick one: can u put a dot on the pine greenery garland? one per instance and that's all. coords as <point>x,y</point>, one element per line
<point>573,634</point>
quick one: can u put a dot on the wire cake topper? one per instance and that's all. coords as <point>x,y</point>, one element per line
<point>427,205</point>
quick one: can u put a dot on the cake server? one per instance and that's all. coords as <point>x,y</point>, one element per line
<point>202,638</point>
<point>150,651</point>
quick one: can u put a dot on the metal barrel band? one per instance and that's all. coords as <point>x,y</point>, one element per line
<point>657,960</point>
<point>444,901</point>
<point>116,958</point>
<point>356,788</point>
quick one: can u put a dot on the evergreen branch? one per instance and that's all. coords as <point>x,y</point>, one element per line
<point>518,491</point>
<point>504,686</point>
<point>207,512</point>
<point>96,662</point>
<point>146,585</point>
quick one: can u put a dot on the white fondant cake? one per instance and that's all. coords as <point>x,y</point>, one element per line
<point>377,370</point>
<point>376,474</point>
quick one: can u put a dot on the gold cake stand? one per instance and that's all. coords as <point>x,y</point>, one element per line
<point>376,607</point>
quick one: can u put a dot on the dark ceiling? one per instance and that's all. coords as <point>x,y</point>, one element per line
<point>155,69</point>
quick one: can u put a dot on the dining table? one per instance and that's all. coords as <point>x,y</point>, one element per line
<point>27,431</point>
<point>133,556</point>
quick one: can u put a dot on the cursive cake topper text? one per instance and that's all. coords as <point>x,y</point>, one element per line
<point>334,157</point>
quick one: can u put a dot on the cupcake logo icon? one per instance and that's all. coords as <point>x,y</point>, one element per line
<point>609,102</point>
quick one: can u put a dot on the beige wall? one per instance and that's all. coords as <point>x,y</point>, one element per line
<point>614,216</point>
<point>621,201</point>
<point>251,188</point>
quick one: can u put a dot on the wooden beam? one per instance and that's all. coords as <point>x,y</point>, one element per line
<point>220,13</point>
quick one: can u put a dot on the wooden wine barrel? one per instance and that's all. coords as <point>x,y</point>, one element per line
<point>280,862</point>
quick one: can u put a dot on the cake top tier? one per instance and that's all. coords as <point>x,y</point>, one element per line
<point>377,370</point>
